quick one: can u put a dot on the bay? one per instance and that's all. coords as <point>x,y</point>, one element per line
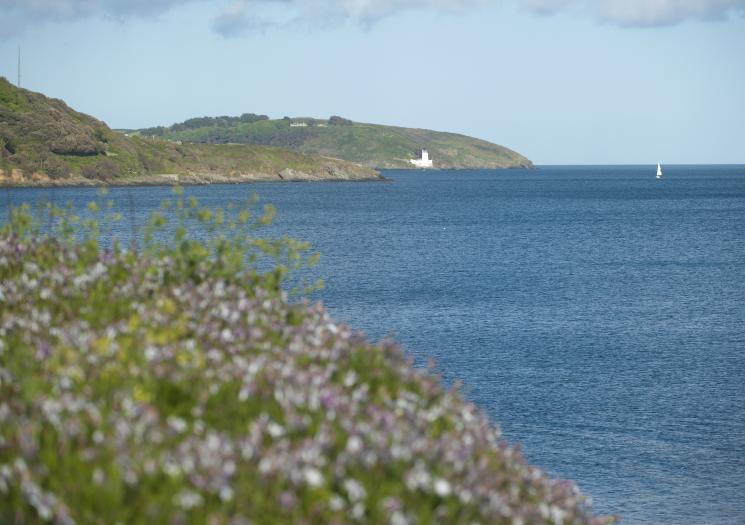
<point>594,313</point>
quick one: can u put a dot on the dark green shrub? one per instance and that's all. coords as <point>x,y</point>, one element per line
<point>252,117</point>
<point>28,160</point>
<point>102,135</point>
<point>7,141</point>
<point>157,131</point>
<point>72,143</point>
<point>54,167</point>
<point>104,170</point>
<point>339,121</point>
<point>149,162</point>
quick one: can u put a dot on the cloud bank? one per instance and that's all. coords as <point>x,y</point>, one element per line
<point>244,16</point>
<point>76,9</point>
<point>641,13</point>
<point>241,16</point>
<point>17,15</point>
<point>238,17</point>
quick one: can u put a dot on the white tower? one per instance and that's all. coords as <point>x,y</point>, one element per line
<point>423,161</point>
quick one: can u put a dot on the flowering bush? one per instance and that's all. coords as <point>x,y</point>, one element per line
<point>175,383</point>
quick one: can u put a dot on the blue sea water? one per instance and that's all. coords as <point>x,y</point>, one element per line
<point>594,313</point>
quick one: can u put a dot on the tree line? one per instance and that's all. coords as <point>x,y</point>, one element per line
<point>203,122</point>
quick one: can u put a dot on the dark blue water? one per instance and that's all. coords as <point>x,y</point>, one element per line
<point>596,314</point>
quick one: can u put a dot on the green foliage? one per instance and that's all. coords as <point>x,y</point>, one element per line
<point>175,384</point>
<point>339,121</point>
<point>54,167</point>
<point>11,97</point>
<point>198,241</point>
<point>8,140</point>
<point>202,122</point>
<point>36,132</point>
<point>105,170</point>
<point>368,144</point>
<point>42,136</point>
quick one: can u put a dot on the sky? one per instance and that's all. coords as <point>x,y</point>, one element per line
<point>560,81</point>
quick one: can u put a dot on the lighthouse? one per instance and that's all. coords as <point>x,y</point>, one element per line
<point>423,161</point>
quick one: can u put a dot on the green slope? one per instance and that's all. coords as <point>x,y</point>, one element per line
<point>369,144</point>
<point>43,141</point>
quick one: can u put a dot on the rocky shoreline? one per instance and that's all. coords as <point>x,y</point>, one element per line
<point>332,174</point>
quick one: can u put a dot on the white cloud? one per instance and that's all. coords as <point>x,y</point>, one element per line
<point>73,9</point>
<point>642,12</point>
<point>241,16</point>
<point>17,15</point>
<point>245,16</point>
<point>237,19</point>
<point>233,19</point>
<point>546,7</point>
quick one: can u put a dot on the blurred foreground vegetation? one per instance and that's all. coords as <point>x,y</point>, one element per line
<point>175,382</point>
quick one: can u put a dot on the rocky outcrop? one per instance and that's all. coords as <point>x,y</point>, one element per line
<point>16,178</point>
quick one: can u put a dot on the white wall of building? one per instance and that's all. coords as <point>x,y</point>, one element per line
<point>423,161</point>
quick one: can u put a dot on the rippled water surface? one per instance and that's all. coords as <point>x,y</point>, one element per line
<point>596,314</point>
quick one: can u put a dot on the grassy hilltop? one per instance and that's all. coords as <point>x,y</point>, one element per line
<point>373,145</point>
<point>45,142</point>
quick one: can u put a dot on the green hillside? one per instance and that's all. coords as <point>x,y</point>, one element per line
<point>373,145</point>
<point>44,142</point>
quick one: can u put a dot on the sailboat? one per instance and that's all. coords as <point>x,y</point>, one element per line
<point>659,171</point>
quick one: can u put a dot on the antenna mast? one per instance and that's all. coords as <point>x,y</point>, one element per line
<point>19,66</point>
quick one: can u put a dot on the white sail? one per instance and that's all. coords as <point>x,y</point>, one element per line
<point>659,171</point>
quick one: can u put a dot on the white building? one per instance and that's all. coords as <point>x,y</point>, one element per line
<point>424,161</point>
<point>298,124</point>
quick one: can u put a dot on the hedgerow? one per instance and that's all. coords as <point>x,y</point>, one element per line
<point>175,382</point>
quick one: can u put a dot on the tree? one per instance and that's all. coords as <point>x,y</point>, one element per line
<point>339,121</point>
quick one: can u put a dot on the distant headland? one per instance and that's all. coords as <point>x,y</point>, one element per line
<point>43,142</point>
<point>372,145</point>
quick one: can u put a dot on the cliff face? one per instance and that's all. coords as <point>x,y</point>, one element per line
<point>44,142</point>
<point>369,144</point>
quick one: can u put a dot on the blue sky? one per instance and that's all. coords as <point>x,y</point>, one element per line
<point>561,81</point>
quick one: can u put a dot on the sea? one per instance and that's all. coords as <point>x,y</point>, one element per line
<point>595,314</point>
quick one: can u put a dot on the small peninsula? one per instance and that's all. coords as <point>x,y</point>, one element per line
<point>372,145</point>
<point>43,142</point>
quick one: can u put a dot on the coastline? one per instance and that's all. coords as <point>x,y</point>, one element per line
<point>530,167</point>
<point>38,180</point>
